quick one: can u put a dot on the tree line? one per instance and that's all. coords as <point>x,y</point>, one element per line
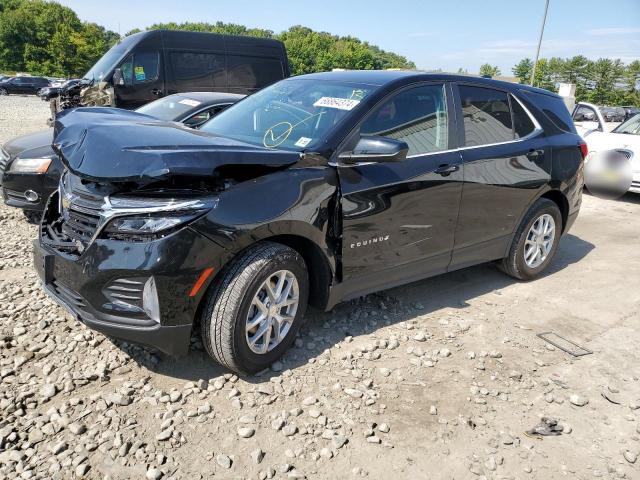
<point>45,38</point>
<point>604,81</point>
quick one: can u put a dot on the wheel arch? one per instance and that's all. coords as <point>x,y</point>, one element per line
<point>559,198</point>
<point>299,236</point>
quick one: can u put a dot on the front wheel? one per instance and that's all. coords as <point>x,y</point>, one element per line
<point>255,310</point>
<point>535,242</point>
<point>3,91</point>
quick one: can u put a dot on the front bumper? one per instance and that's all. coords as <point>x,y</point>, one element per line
<point>85,286</point>
<point>15,186</point>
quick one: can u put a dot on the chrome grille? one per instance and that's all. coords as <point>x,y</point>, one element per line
<point>80,214</point>
<point>73,216</point>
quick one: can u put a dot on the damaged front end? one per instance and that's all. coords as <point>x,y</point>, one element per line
<point>131,177</point>
<point>117,247</point>
<point>78,93</point>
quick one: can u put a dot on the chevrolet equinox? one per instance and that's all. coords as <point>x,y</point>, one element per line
<point>315,190</point>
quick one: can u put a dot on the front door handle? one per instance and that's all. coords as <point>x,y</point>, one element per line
<point>535,155</point>
<point>447,169</point>
<point>157,92</point>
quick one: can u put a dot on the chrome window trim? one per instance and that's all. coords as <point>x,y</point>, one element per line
<point>537,130</point>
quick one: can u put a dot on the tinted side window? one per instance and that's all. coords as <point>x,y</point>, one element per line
<point>198,70</point>
<point>553,108</point>
<point>522,123</point>
<point>417,116</point>
<point>141,67</point>
<point>486,115</point>
<point>253,72</point>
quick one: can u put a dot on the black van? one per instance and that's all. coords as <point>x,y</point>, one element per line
<point>155,63</point>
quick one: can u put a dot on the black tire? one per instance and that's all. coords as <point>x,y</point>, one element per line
<point>32,216</point>
<point>224,316</point>
<point>514,264</point>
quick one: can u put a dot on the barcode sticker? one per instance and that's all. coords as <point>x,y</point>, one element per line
<point>339,103</point>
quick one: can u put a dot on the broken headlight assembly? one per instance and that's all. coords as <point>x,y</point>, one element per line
<point>149,218</point>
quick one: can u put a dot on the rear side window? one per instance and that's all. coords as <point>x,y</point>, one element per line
<point>486,116</point>
<point>522,124</point>
<point>417,116</point>
<point>253,72</point>
<point>198,70</point>
<point>554,109</point>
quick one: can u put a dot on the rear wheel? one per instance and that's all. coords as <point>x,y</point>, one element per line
<point>535,242</point>
<point>255,310</point>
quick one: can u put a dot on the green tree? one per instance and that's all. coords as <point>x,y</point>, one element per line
<point>48,39</point>
<point>576,70</point>
<point>489,70</point>
<point>604,73</point>
<point>631,80</point>
<point>522,70</point>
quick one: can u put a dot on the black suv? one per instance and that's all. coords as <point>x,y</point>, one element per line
<point>23,85</point>
<point>317,189</point>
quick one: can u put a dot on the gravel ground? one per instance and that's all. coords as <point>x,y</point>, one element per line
<point>439,379</point>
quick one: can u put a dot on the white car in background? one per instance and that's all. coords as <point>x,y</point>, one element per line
<point>624,138</point>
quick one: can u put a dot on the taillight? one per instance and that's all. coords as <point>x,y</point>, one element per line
<point>584,150</point>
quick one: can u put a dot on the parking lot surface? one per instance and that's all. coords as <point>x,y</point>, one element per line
<point>440,379</point>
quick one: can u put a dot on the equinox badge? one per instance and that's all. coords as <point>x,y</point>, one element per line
<point>364,243</point>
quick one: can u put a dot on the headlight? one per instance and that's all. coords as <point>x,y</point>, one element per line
<point>154,216</point>
<point>30,165</point>
<point>149,224</point>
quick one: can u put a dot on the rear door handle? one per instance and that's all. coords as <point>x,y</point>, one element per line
<point>447,169</point>
<point>535,155</point>
<point>157,92</point>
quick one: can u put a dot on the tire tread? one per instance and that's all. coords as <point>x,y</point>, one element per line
<point>219,316</point>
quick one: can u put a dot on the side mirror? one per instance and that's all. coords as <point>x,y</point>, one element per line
<point>118,79</point>
<point>376,149</point>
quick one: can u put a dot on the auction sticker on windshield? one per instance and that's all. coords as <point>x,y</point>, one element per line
<point>339,103</point>
<point>303,142</point>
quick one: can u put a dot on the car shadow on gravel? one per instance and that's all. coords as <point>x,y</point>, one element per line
<point>362,316</point>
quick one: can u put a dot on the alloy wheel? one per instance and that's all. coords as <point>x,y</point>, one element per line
<point>3,91</point>
<point>539,241</point>
<point>272,312</point>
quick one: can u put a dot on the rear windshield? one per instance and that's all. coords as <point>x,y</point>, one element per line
<point>169,108</point>
<point>295,114</point>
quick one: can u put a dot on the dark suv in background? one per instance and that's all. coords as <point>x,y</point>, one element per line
<point>23,85</point>
<point>317,189</point>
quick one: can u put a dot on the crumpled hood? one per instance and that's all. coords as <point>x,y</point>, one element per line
<point>31,145</point>
<point>114,145</point>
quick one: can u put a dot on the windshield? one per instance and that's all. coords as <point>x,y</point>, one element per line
<point>106,64</point>
<point>169,108</point>
<point>631,126</point>
<point>294,114</point>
